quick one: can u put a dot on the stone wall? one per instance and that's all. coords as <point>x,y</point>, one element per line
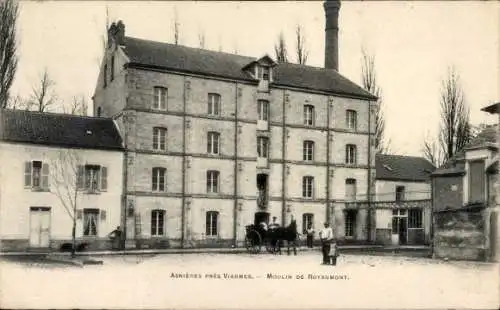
<point>460,235</point>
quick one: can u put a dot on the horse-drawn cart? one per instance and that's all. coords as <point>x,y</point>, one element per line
<point>256,237</point>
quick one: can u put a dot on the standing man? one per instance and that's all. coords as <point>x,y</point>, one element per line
<point>274,224</point>
<point>326,236</point>
<point>310,235</point>
<point>115,237</point>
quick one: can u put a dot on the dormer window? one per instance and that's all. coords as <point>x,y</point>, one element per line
<point>265,73</point>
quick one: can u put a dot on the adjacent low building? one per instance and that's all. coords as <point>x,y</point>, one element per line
<point>464,200</point>
<point>402,204</point>
<point>55,168</point>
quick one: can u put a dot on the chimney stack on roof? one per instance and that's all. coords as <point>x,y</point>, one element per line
<point>116,32</point>
<point>332,8</point>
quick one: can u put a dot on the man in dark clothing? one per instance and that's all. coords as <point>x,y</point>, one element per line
<point>310,235</point>
<point>326,236</point>
<point>116,237</point>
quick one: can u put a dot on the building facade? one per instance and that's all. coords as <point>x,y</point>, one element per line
<point>464,201</point>
<point>402,203</point>
<point>59,167</point>
<point>216,141</point>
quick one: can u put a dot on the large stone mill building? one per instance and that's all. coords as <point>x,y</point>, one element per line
<point>215,141</point>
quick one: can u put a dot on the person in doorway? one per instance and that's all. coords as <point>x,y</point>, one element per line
<point>326,237</point>
<point>310,235</point>
<point>115,237</point>
<point>274,224</point>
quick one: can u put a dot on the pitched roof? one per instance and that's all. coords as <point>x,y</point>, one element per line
<point>200,61</point>
<point>59,129</point>
<point>402,168</point>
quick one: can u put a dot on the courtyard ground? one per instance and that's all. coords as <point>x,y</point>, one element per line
<point>218,281</point>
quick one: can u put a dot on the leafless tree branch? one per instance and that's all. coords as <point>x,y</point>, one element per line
<point>369,81</point>
<point>300,48</point>
<point>43,94</point>
<point>9,12</point>
<point>63,178</point>
<point>280,49</point>
<point>176,27</point>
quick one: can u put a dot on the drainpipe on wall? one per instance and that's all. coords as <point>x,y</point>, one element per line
<point>328,213</point>
<point>283,155</point>
<point>369,191</point>
<point>235,207</point>
<point>183,213</point>
<point>125,184</point>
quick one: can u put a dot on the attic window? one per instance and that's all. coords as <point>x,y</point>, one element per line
<point>264,73</point>
<point>387,167</point>
<point>89,132</point>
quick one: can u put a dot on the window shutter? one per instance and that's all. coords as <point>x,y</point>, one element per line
<point>103,215</point>
<point>45,176</point>
<point>80,178</point>
<point>27,174</point>
<point>104,178</point>
<point>79,214</point>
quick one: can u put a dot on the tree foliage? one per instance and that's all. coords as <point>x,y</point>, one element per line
<point>9,12</point>
<point>369,81</point>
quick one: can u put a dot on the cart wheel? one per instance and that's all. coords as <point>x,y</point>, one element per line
<point>253,242</point>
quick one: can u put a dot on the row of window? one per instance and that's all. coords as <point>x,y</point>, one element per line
<point>89,177</point>
<point>159,181</point>
<point>213,146</point>
<point>91,219</point>
<point>214,108</point>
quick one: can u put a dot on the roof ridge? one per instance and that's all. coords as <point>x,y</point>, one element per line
<point>57,114</point>
<point>191,47</point>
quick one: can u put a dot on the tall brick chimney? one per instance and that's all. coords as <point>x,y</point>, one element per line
<point>332,8</point>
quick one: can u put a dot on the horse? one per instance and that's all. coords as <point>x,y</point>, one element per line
<point>288,234</point>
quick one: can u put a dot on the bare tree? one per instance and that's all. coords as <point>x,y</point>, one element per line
<point>201,38</point>
<point>15,103</point>
<point>64,178</point>
<point>300,47</point>
<point>78,106</point>
<point>9,12</point>
<point>176,26</point>
<point>455,128</point>
<point>43,94</point>
<point>280,49</point>
<point>369,80</point>
<point>432,151</point>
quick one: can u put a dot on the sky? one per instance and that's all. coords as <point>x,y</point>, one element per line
<point>414,43</point>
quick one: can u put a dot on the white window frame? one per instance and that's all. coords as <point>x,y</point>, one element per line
<point>213,181</point>
<point>214,104</point>
<point>88,220</point>
<point>350,182</point>
<point>263,109</point>
<point>307,218</point>
<point>263,147</point>
<point>213,143</point>
<point>308,150</point>
<point>158,229</point>
<point>352,119</point>
<point>160,100</point>
<point>309,115</point>
<point>212,223</point>
<point>160,138</point>
<point>351,154</point>
<point>400,193</point>
<point>308,187</point>
<point>160,175</point>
